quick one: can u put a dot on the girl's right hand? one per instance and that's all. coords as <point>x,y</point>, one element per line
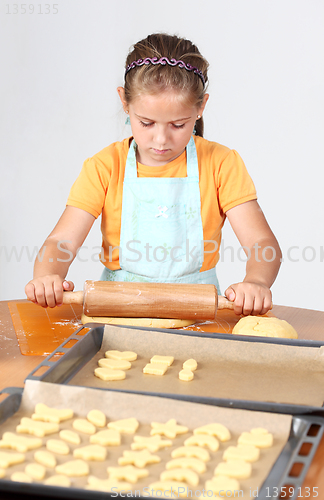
<point>47,291</point>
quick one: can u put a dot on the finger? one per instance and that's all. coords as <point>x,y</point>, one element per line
<point>267,304</point>
<point>230,294</point>
<point>58,293</point>
<point>50,294</point>
<point>30,292</point>
<point>248,305</point>
<point>239,302</point>
<point>40,295</point>
<point>68,285</point>
<point>258,305</point>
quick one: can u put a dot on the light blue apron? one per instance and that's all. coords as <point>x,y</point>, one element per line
<point>161,237</point>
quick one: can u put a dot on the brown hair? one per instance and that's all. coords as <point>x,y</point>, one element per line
<point>154,79</point>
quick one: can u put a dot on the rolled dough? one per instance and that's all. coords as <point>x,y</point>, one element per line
<point>147,322</point>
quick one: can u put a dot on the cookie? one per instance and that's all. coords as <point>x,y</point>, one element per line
<point>239,469</point>
<point>124,355</point>
<point>97,418</point>
<point>138,458</point>
<point>170,429</point>
<point>217,430</point>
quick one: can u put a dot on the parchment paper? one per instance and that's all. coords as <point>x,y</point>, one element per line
<point>147,409</point>
<point>229,369</point>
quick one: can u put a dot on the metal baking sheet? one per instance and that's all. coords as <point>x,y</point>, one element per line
<point>86,347</point>
<point>279,478</point>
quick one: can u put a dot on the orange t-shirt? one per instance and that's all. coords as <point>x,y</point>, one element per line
<point>223,181</point>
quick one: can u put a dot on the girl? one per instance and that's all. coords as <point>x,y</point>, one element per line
<point>163,193</point>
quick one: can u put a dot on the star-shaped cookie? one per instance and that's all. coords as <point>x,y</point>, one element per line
<point>153,443</point>
<point>138,458</point>
<point>127,472</point>
<point>170,429</point>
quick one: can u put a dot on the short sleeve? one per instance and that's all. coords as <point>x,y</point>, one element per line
<point>234,183</point>
<point>89,190</point>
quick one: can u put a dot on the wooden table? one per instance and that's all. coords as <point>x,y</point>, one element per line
<point>14,368</point>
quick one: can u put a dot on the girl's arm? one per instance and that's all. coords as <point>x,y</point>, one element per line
<point>253,295</point>
<point>55,257</point>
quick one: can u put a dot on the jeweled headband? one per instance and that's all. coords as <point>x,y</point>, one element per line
<point>164,61</point>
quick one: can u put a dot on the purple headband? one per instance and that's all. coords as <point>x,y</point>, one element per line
<point>164,61</point>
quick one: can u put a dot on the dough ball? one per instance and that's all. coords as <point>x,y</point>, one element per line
<point>263,326</point>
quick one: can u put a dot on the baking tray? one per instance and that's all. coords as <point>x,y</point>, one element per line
<point>86,345</point>
<point>305,434</point>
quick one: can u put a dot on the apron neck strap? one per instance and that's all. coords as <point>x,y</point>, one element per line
<point>191,153</point>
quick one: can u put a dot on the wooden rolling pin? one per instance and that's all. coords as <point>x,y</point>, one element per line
<point>148,300</point>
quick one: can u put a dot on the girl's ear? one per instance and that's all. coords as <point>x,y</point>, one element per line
<point>121,93</point>
<point>202,107</point>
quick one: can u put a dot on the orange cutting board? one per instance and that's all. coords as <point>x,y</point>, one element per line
<point>39,331</point>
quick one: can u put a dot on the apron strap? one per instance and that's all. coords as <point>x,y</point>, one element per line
<point>192,161</point>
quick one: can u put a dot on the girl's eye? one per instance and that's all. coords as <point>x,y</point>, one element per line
<point>145,124</point>
<point>179,126</point>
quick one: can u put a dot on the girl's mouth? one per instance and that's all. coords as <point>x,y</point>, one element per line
<point>160,151</point>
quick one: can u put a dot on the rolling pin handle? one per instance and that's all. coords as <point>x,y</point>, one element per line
<point>73,298</point>
<point>224,303</point>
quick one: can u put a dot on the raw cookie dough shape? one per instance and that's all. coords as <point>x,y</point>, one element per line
<point>58,480</point>
<point>125,425</point>
<point>108,375</point>
<point>127,472</point>
<point>153,444</point>
<point>167,360</point>
<point>70,436</point>
<point>186,375</point>
<point>170,429</point>
<point>155,368</point>
<point>224,484</point>
<point>246,452</point>
<point>19,443</point>
<point>36,428</point>
<point>97,418</point>
<point>265,327</point>
<point>74,468</point>
<point>203,440</point>
<point>147,322</point>
<point>191,364</point>
<point>124,355</point>
<point>169,487</point>
<point>45,458</point>
<point>181,474</point>
<point>217,430</point>
<point>107,485</point>
<point>7,459</point>
<point>57,446</point>
<point>91,452</point>
<point>47,414</point>
<point>191,451</point>
<point>187,463</point>
<point>114,364</point>
<point>138,458</point>
<point>83,425</point>
<point>258,437</point>
<point>21,477</point>
<point>108,437</point>
<point>239,469</point>
<point>35,471</point>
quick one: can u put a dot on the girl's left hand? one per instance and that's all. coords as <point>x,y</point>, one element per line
<point>249,298</point>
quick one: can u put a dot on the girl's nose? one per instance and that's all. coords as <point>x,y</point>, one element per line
<point>160,136</point>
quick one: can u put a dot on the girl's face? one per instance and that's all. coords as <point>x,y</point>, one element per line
<point>162,125</point>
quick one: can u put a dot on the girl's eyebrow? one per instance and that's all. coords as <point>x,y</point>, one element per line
<point>172,121</point>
